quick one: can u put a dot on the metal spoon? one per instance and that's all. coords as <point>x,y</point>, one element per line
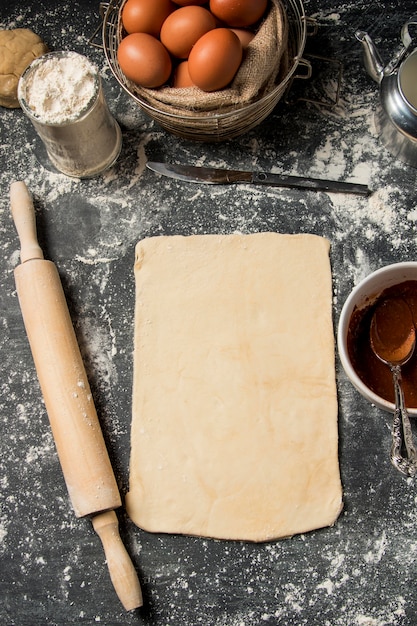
<point>393,339</point>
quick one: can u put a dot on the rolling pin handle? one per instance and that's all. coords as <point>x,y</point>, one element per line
<point>122,572</point>
<point>23,213</point>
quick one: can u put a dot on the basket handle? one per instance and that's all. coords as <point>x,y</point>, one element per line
<point>304,63</point>
<point>309,71</point>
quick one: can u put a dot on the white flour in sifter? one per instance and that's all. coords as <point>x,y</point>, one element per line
<point>58,89</point>
<point>61,94</point>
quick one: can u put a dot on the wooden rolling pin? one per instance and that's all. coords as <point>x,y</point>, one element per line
<point>79,441</point>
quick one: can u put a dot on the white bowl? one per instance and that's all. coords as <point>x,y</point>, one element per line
<point>364,294</point>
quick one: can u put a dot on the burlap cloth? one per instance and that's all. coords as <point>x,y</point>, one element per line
<point>264,63</point>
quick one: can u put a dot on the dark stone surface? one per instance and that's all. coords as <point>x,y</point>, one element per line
<point>360,572</point>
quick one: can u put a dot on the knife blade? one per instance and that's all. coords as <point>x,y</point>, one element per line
<point>219,176</point>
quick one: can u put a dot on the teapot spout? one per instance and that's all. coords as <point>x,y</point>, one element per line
<point>372,59</point>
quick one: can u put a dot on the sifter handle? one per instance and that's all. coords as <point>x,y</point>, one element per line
<point>24,218</point>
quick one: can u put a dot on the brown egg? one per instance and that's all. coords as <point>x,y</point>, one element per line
<point>244,35</point>
<point>238,13</point>
<point>184,27</point>
<point>142,16</point>
<point>182,76</point>
<point>215,59</point>
<point>144,60</point>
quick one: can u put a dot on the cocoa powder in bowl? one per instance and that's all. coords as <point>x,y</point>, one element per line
<point>375,374</point>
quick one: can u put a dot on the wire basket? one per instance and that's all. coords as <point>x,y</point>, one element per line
<point>213,126</point>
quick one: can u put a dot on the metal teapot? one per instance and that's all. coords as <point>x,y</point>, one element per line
<point>396,119</point>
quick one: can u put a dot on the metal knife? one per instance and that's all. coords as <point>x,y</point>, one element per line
<point>217,176</point>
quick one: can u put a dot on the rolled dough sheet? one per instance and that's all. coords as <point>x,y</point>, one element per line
<point>234,430</point>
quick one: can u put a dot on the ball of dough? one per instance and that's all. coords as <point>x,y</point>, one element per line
<point>18,48</point>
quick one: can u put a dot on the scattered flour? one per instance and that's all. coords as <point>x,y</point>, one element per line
<point>189,582</point>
